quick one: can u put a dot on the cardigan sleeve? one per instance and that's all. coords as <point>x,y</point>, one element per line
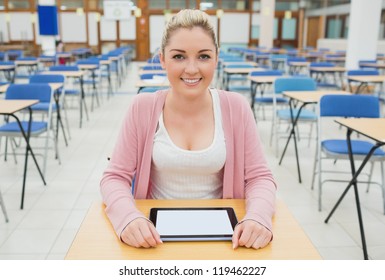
<point>117,179</point>
<point>260,186</point>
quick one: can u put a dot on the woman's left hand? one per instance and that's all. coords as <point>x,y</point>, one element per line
<point>251,234</point>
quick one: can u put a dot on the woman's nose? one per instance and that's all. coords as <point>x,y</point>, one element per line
<point>191,67</point>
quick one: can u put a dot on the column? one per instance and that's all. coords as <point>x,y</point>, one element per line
<point>364,26</point>
<point>267,23</point>
<point>48,46</point>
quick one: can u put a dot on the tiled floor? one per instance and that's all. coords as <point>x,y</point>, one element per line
<point>53,213</point>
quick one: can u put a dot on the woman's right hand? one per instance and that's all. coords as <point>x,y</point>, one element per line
<point>141,233</point>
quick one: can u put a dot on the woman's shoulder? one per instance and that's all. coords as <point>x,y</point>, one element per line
<point>233,99</point>
<point>149,99</point>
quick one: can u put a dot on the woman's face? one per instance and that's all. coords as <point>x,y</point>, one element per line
<point>190,60</point>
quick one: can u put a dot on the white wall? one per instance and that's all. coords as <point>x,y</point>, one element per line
<point>341,44</point>
<point>73,27</point>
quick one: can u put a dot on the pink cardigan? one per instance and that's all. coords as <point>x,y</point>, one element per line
<point>246,174</point>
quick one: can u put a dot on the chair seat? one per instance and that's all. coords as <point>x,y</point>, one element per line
<point>72,92</point>
<point>43,106</point>
<point>239,88</point>
<point>304,115</point>
<point>359,147</point>
<point>13,127</point>
<point>329,85</point>
<point>280,100</point>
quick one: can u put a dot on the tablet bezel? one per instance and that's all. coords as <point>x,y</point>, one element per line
<point>230,213</point>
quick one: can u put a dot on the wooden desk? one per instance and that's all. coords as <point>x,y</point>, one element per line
<point>320,73</point>
<point>305,98</point>
<point>9,72</point>
<point>10,108</point>
<point>77,75</point>
<point>96,238</point>
<point>260,81</point>
<point>152,83</point>
<point>228,72</point>
<point>375,130</point>
<point>365,80</point>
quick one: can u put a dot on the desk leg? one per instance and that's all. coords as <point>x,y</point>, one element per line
<point>353,182</point>
<point>292,133</point>
<point>27,151</point>
<point>82,102</point>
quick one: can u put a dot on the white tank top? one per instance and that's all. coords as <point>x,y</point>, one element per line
<point>177,173</point>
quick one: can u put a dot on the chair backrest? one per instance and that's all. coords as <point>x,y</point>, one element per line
<point>41,92</point>
<point>267,73</point>
<point>88,61</point>
<point>322,64</point>
<point>152,67</point>
<point>355,106</point>
<point>296,59</point>
<point>363,73</point>
<point>63,68</point>
<point>239,65</point>
<point>39,78</point>
<point>297,83</point>
<point>147,76</point>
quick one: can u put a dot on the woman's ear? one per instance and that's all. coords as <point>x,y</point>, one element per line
<point>162,62</point>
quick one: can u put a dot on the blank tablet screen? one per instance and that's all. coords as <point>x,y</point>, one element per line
<point>194,223</point>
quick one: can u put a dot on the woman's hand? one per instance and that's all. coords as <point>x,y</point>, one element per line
<point>251,234</point>
<point>141,233</point>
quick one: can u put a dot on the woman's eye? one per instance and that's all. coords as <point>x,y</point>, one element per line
<point>178,57</point>
<point>204,56</point>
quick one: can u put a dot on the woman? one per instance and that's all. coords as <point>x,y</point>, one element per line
<point>189,142</point>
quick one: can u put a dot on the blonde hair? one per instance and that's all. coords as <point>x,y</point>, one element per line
<point>188,19</point>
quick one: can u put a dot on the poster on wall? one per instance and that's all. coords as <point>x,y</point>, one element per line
<point>117,10</point>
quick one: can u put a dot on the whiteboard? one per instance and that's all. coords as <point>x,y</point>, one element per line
<point>93,29</point>
<point>3,28</point>
<point>156,31</point>
<point>117,10</point>
<point>127,29</point>
<point>73,27</point>
<point>20,27</point>
<point>235,28</point>
<point>107,30</point>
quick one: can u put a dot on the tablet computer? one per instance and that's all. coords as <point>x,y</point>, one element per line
<point>194,224</point>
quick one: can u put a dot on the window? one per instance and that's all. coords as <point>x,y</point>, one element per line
<point>177,4</point>
<point>337,26</point>
<point>18,4</point>
<point>157,4</point>
<point>70,4</point>
<point>289,29</point>
<point>208,5</point>
<point>240,5</point>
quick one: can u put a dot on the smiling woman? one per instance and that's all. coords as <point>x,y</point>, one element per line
<point>189,142</point>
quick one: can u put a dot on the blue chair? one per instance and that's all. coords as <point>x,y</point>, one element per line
<point>58,105</point>
<point>292,68</point>
<point>239,79</point>
<point>44,94</point>
<point>336,148</point>
<point>295,83</point>
<point>363,67</point>
<point>70,89</point>
<point>278,61</point>
<point>149,76</point>
<point>152,67</point>
<point>93,78</point>
<point>266,97</point>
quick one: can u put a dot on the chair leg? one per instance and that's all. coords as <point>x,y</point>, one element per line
<point>370,175</point>
<point>3,208</point>
<point>314,169</point>
<point>319,182</point>
<point>383,184</point>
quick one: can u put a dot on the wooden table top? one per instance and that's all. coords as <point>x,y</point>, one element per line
<point>242,70</point>
<point>367,78</point>
<point>311,96</point>
<point>8,107</point>
<point>264,79</point>
<point>96,238</point>
<point>370,127</point>
<point>328,69</point>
